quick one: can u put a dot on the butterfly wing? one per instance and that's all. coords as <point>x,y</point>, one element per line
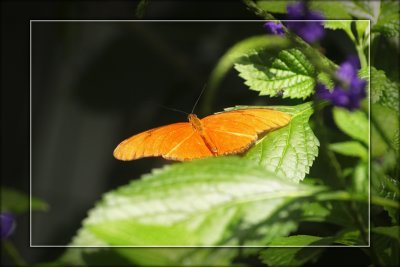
<point>176,141</point>
<point>235,131</point>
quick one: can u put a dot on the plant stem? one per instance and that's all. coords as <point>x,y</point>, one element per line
<point>361,56</point>
<point>13,253</point>
<point>257,11</point>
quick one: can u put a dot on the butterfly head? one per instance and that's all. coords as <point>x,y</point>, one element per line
<point>195,121</point>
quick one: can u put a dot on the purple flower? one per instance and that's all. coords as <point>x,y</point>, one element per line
<point>310,31</point>
<point>274,28</point>
<point>350,91</point>
<point>7,224</point>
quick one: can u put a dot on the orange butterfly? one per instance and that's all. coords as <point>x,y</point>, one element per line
<point>223,133</point>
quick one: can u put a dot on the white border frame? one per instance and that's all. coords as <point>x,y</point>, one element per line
<point>200,246</point>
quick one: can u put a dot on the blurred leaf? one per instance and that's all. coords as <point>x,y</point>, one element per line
<point>355,123</point>
<point>18,203</point>
<point>327,211</point>
<point>291,150</point>
<point>349,237</point>
<point>383,90</point>
<point>330,9</point>
<point>141,8</point>
<point>383,185</point>
<point>325,79</point>
<point>363,9</point>
<point>388,188</point>
<point>388,22</point>
<point>294,256</point>
<point>289,75</point>
<point>376,83</point>
<point>391,231</point>
<point>194,203</point>
<point>350,148</point>
<point>387,120</point>
<point>386,243</point>
<point>274,6</point>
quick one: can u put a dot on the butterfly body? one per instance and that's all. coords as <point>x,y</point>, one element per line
<point>198,127</point>
<point>219,134</point>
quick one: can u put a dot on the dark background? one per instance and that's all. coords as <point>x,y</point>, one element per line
<point>93,85</point>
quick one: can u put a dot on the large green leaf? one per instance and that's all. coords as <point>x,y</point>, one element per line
<point>197,203</point>
<point>264,42</point>
<point>291,150</point>
<point>294,256</point>
<point>290,74</point>
<point>246,46</point>
<point>112,256</point>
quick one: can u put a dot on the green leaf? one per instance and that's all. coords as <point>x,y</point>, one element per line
<point>391,231</point>
<point>383,90</point>
<point>183,256</point>
<point>18,203</point>
<point>353,123</point>
<point>338,25</point>
<point>294,256</point>
<point>342,25</point>
<point>388,22</point>
<point>349,237</point>
<point>350,148</point>
<point>363,9</point>
<point>330,9</point>
<point>196,203</point>
<point>289,75</point>
<point>325,79</point>
<point>247,46</point>
<point>274,6</point>
<point>383,185</point>
<point>291,150</point>
<point>386,244</point>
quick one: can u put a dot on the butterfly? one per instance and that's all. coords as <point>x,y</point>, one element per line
<point>224,133</point>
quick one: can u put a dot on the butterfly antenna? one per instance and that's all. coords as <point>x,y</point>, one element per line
<point>198,98</point>
<point>174,109</point>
